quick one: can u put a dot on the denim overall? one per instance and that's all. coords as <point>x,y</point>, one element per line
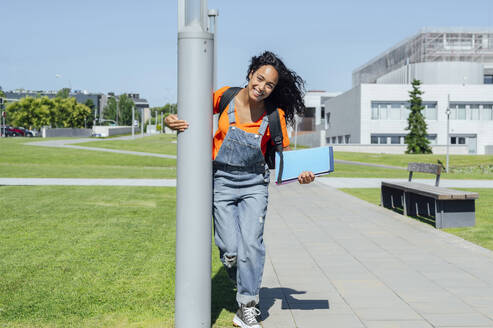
<point>241,179</point>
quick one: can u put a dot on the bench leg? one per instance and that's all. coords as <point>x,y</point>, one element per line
<point>438,214</point>
<point>405,202</point>
<point>455,213</point>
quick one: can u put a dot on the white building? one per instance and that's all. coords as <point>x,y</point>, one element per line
<point>314,118</point>
<point>455,67</point>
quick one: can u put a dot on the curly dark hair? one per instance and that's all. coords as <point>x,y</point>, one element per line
<point>289,91</point>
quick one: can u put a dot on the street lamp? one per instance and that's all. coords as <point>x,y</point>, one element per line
<point>447,111</point>
<point>194,167</point>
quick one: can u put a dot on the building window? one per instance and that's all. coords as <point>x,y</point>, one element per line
<point>488,79</point>
<point>339,139</point>
<point>399,110</point>
<point>347,138</point>
<point>461,112</point>
<point>374,111</point>
<point>453,140</point>
<point>395,140</point>
<point>474,112</point>
<point>432,138</point>
<point>487,112</point>
<point>333,140</point>
<point>462,140</point>
<point>430,111</point>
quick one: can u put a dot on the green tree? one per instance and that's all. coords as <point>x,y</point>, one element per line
<point>63,93</point>
<point>90,119</point>
<point>31,112</point>
<point>109,111</point>
<point>416,140</point>
<point>125,104</point>
<point>2,94</point>
<point>69,114</point>
<point>166,109</point>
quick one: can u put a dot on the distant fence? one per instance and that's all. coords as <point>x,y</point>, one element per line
<point>65,132</point>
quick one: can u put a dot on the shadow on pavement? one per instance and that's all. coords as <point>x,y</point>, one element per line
<point>268,296</point>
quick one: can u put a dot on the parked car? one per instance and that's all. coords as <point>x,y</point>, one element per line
<point>27,132</point>
<point>13,132</point>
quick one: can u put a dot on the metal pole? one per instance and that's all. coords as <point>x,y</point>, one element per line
<point>448,130</point>
<point>162,122</point>
<point>141,122</point>
<point>194,168</point>
<point>213,13</point>
<point>133,122</point>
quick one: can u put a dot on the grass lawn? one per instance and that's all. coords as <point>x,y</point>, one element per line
<point>22,161</point>
<point>159,144</point>
<point>461,166</point>
<point>93,257</point>
<point>481,233</point>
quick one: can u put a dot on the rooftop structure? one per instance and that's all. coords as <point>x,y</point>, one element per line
<point>432,45</point>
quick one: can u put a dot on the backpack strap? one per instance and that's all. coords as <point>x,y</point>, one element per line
<point>276,137</point>
<point>226,98</point>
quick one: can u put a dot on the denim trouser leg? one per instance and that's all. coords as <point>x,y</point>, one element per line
<point>239,212</point>
<point>226,229</point>
<point>251,249</point>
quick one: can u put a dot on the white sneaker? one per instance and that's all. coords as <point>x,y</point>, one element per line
<point>246,316</point>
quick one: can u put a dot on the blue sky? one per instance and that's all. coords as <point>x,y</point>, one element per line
<point>130,46</point>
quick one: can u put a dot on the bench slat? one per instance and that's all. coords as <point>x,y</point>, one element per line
<point>425,168</point>
<point>431,191</point>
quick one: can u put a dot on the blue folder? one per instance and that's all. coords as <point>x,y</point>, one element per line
<point>318,160</point>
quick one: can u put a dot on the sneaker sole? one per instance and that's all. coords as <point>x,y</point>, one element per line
<point>237,322</point>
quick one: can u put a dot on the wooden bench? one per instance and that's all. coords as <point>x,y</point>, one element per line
<point>446,207</point>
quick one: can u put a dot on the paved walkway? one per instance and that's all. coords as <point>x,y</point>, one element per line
<point>87,182</point>
<point>376,182</point>
<point>332,182</point>
<point>69,143</point>
<point>336,261</point>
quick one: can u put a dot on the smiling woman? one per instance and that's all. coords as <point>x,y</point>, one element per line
<point>241,174</point>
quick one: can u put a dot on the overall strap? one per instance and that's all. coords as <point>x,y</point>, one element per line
<point>263,125</point>
<point>226,98</point>
<point>231,112</point>
<point>276,136</point>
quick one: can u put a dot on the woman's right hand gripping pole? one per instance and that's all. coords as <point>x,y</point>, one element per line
<point>174,123</point>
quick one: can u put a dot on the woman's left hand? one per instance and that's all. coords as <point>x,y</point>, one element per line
<point>306,177</point>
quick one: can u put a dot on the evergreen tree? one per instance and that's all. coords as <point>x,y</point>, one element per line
<point>416,140</point>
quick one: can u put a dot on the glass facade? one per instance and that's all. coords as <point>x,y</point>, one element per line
<point>399,110</point>
<point>471,112</point>
<point>383,139</point>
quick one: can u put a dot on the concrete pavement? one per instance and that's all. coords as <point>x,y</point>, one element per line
<point>332,182</point>
<point>87,182</point>
<point>336,261</point>
<point>376,182</point>
<point>69,143</point>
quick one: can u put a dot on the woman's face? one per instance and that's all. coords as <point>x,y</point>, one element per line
<point>262,82</point>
